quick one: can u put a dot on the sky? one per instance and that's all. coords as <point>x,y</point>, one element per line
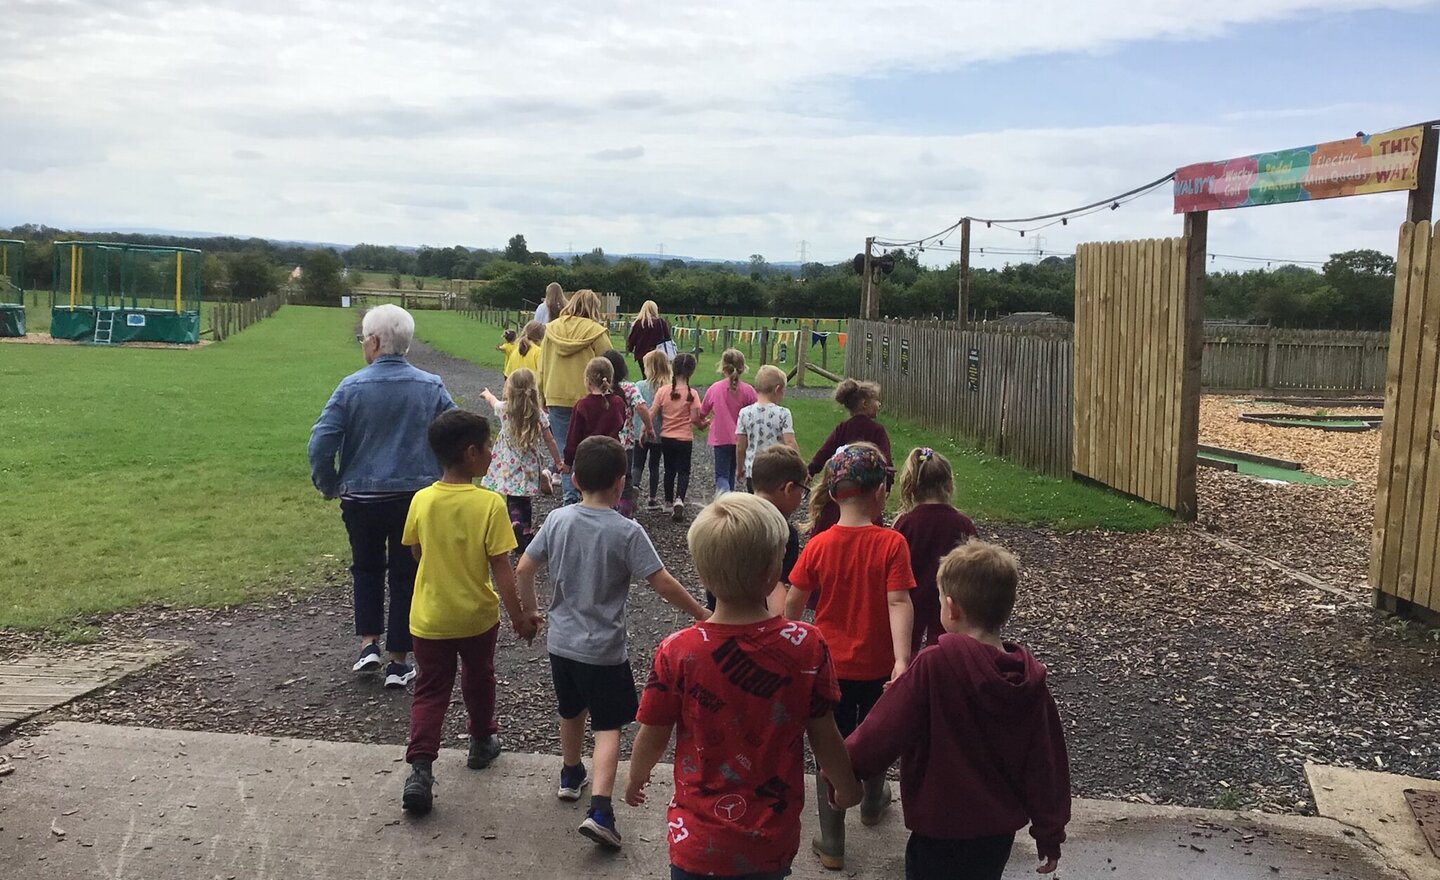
<point>715,130</point>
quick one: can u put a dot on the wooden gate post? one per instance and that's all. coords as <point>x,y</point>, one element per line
<point>964,304</point>
<point>867,283</point>
<point>1422,198</point>
<point>1196,229</point>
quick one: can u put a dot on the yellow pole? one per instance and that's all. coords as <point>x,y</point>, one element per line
<point>179,260</point>
<point>73,258</point>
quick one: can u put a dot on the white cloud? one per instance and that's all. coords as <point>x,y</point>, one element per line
<point>467,122</point>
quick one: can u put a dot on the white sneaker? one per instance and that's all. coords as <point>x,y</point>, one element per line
<point>369,660</point>
<point>397,675</point>
<point>677,510</point>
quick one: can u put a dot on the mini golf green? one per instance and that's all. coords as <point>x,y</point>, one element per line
<point>1320,423</point>
<point>1270,472</point>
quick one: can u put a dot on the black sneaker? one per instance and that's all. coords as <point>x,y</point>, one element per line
<point>483,751</point>
<point>572,782</point>
<point>397,675</point>
<point>600,827</point>
<point>418,798</point>
<point>369,659</point>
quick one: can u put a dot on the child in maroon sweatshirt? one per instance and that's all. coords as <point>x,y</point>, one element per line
<point>979,739</point>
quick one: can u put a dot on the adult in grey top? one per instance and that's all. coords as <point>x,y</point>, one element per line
<point>594,555</point>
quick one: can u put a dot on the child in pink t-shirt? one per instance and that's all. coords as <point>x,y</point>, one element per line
<point>722,405</point>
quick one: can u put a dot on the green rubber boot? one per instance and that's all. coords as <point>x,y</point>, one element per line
<point>830,844</point>
<point>877,799</point>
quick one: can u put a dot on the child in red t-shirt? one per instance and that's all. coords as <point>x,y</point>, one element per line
<point>741,690</point>
<point>932,527</point>
<point>862,572</point>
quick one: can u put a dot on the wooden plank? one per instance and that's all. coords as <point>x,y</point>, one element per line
<point>1105,470</point>
<point>1418,444</point>
<point>1192,343</point>
<point>1145,450</point>
<point>1155,376</point>
<point>1081,448</point>
<point>1404,414</point>
<point>1399,312</point>
<point>1124,395</point>
<point>1426,592</point>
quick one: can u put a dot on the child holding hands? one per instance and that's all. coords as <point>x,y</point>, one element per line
<point>600,413</point>
<point>973,724</point>
<point>763,423</point>
<point>739,691</point>
<point>862,572</point>
<point>462,537</point>
<point>932,527</point>
<point>722,404</point>
<point>594,554</point>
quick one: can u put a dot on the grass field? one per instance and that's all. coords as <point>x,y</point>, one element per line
<point>141,475</point>
<point>987,487</point>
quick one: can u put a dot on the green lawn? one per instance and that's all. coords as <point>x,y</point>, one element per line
<point>143,475</point>
<point>987,487</point>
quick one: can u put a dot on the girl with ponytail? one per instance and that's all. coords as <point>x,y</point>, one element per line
<point>600,413</point>
<point>722,405</point>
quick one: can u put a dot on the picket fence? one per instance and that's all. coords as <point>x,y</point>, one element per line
<point>227,319</point>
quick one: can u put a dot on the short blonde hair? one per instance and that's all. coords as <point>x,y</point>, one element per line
<point>738,545</point>
<point>768,378</point>
<point>982,579</point>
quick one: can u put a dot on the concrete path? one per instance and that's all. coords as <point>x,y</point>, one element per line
<point>39,682</point>
<point>93,801</point>
<point>1375,804</point>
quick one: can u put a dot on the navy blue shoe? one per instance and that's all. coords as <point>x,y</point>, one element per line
<point>571,782</point>
<point>600,827</point>
<point>369,660</point>
<point>397,675</point>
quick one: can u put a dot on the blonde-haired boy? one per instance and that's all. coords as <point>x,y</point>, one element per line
<point>741,688</point>
<point>763,423</point>
<point>972,722</point>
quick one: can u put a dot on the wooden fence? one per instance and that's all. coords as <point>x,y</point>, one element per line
<point>1405,554</point>
<point>227,319</point>
<point>1136,390</point>
<point>1007,393</point>
<point>1270,359</point>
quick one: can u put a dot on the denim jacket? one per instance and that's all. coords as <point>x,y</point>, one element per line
<point>377,421</point>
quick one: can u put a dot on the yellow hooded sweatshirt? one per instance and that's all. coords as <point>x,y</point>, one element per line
<point>570,343</point>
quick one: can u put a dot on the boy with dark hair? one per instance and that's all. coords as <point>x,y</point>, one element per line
<point>743,689</point>
<point>594,554</point>
<point>973,723</point>
<point>778,475</point>
<point>462,537</point>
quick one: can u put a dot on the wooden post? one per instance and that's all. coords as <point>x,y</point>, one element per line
<point>764,345</point>
<point>867,282</point>
<point>1196,228</point>
<point>964,315</point>
<point>1422,197</point>
<point>801,354</point>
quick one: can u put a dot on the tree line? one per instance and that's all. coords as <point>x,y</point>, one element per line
<point>1353,290</point>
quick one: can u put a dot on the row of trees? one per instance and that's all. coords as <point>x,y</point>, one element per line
<point>1354,289</point>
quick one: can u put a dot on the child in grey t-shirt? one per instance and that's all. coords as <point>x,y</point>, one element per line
<point>594,554</point>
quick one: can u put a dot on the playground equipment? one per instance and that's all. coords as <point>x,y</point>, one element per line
<point>12,293</point>
<point>1263,467</point>
<point>1349,424</point>
<point>109,292</point>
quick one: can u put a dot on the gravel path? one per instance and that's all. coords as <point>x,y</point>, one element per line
<point>1184,672</point>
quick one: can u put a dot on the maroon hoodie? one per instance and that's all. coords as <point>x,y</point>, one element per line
<point>980,744</point>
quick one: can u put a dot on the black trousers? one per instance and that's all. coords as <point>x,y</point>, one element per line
<point>375,530</point>
<point>648,453</point>
<point>677,466</point>
<point>978,858</point>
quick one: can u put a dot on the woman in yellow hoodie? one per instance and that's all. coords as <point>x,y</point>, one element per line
<point>571,340</point>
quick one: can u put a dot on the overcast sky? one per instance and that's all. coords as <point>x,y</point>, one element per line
<point>717,129</point>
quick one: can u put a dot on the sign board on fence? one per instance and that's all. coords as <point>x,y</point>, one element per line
<point>905,357</point>
<point>972,370</point>
<point>885,352</point>
<point>344,302</point>
<point>134,320</point>
<point>869,348</point>
<point>1369,164</point>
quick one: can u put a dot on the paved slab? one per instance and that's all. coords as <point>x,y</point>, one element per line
<point>39,682</point>
<point>92,801</point>
<point>1375,804</point>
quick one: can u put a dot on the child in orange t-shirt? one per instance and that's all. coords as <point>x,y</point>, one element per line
<point>862,572</point>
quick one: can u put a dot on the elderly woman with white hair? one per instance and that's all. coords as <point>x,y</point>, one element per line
<point>377,422</point>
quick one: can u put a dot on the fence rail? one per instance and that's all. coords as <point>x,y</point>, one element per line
<point>1007,393</point>
<point>227,319</point>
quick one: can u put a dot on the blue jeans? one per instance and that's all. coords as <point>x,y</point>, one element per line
<point>724,468</point>
<point>560,427</point>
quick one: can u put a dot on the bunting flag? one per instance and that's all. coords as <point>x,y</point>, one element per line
<point>712,334</point>
<point>842,338</point>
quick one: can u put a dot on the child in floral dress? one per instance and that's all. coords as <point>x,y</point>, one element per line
<point>516,463</point>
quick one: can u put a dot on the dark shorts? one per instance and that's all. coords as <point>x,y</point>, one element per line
<point>608,692</point>
<point>857,698</point>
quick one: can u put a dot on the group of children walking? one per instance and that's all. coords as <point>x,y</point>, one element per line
<point>904,659</point>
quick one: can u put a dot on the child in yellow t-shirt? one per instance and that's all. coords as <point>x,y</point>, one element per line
<point>524,350</point>
<point>462,536</point>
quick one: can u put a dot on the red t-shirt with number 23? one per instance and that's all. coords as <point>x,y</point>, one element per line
<point>740,698</point>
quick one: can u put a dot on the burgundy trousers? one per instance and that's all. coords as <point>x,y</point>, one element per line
<point>435,661</point>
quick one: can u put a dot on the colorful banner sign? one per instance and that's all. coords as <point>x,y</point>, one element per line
<point>1370,164</point>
